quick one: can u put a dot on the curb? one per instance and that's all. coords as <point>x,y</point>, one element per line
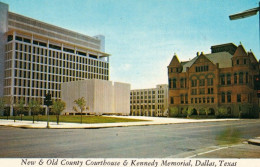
<point>254,142</point>
<point>148,123</point>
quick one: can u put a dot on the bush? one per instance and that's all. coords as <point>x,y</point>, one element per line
<point>246,111</point>
<point>173,111</point>
<point>185,112</point>
<point>222,112</point>
<point>202,111</point>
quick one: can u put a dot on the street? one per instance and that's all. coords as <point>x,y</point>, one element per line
<point>154,141</point>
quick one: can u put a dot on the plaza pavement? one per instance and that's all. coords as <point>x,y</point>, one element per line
<point>149,121</point>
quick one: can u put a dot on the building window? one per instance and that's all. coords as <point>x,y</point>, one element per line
<point>238,61</point>
<point>244,61</point>
<point>191,100</point>
<point>182,99</point>
<point>223,97</point>
<point>222,79</point>
<point>193,91</point>
<point>186,98</point>
<point>202,82</point>
<point>193,83</point>
<point>182,83</point>
<point>174,83</point>
<point>228,79</point>
<point>201,91</point>
<point>210,81</point>
<point>170,83</point>
<point>247,77</point>
<point>228,97</point>
<point>240,77</point>
<point>212,100</point>
<point>235,78</point>
<point>238,97</point>
<point>172,101</point>
<point>210,90</point>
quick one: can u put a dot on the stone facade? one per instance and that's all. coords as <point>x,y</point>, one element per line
<point>220,81</point>
<point>102,96</point>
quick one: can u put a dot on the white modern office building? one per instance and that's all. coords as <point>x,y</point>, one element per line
<point>149,102</point>
<point>36,57</point>
<point>102,97</point>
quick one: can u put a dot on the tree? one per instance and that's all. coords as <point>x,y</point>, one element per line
<point>2,106</point>
<point>189,111</point>
<point>21,107</point>
<point>58,107</point>
<point>34,107</point>
<point>222,112</point>
<point>207,111</point>
<point>18,107</point>
<point>81,103</point>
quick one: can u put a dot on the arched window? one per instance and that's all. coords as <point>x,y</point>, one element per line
<point>170,83</point>
<point>193,83</point>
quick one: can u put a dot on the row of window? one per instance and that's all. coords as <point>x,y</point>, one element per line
<point>146,107</point>
<point>225,97</point>
<point>201,68</point>
<point>59,70</point>
<point>146,97</point>
<point>146,92</point>
<point>27,47</point>
<point>238,78</point>
<point>202,91</point>
<point>56,61</point>
<point>145,101</point>
<point>36,84</point>
<point>173,82</point>
<point>35,92</point>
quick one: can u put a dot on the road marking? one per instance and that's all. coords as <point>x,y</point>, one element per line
<point>221,148</point>
<point>206,152</point>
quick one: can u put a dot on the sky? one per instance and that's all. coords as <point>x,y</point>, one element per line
<point>143,35</point>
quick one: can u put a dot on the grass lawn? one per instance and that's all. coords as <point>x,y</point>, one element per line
<point>76,119</point>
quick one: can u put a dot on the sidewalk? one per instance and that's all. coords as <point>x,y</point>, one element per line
<point>150,121</point>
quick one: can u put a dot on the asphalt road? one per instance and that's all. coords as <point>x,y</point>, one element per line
<point>157,141</point>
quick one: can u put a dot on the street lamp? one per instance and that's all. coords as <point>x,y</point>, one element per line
<point>247,13</point>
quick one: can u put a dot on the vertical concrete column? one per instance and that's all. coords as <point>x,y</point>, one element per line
<point>3,29</point>
<point>12,78</point>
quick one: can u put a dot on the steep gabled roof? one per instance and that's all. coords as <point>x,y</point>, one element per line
<point>240,52</point>
<point>252,57</point>
<point>175,61</point>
